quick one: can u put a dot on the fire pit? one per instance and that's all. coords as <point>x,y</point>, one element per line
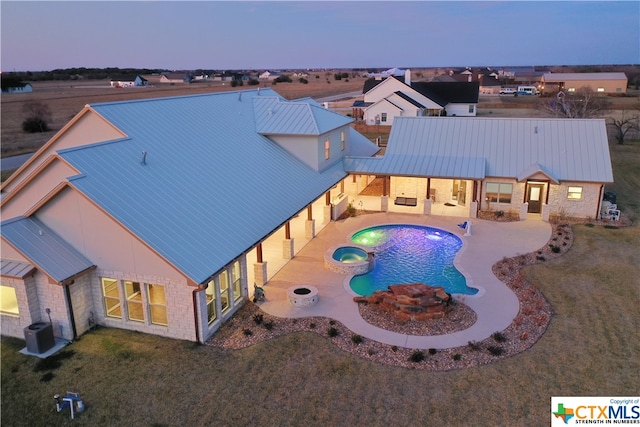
<point>302,296</point>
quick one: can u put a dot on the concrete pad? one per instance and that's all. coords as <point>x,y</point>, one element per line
<point>495,304</point>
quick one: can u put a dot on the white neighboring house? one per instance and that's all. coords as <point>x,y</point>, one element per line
<point>269,75</point>
<point>385,99</point>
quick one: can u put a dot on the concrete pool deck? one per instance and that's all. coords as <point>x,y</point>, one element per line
<point>495,304</point>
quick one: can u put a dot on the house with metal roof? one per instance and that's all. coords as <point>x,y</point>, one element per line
<point>140,214</point>
<point>548,167</point>
<point>154,215</point>
<point>605,83</point>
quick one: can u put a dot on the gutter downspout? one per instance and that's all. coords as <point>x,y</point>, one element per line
<point>200,288</point>
<point>67,297</point>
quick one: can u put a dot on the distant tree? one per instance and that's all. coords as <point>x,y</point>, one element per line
<point>37,119</point>
<point>624,126</point>
<point>583,103</point>
<point>303,80</point>
<point>253,82</point>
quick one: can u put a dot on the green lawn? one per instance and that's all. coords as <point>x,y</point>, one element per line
<point>591,348</point>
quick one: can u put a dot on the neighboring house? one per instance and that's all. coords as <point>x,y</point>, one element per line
<point>17,87</point>
<point>173,78</point>
<point>605,83</point>
<point>395,97</point>
<point>142,214</point>
<point>489,85</point>
<point>269,75</point>
<point>551,167</point>
<point>131,81</point>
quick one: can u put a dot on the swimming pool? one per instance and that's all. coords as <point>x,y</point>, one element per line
<point>410,254</point>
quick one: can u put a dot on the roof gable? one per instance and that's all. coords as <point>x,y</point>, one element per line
<point>275,116</point>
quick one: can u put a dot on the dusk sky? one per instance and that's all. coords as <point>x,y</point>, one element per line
<point>46,35</point>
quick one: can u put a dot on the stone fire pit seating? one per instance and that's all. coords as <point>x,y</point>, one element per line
<point>411,302</point>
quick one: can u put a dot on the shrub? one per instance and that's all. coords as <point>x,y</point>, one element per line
<point>416,356</point>
<point>495,350</point>
<point>312,325</point>
<point>356,339</point>
<point>268,325</point>
<point>394,348</point>
<point>34,125</point>
<point>258,318</point>
<point>247,332</point>
<point>371,352</point>
<point>432,351</point>
<point>457,356</point>
<point>332,322</point>
<point>498,337</point>
<point>473,345</point>
<point>332,332</point>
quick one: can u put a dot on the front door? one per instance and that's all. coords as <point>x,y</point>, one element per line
<point>534,197</point>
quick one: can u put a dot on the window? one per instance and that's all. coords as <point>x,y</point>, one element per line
<point>111,296</point>
<point>224,290</point>
<point>212,313</point>
<point>237,281</point>
<point>471,109</point>
<point>134,301</point>
<point>327,150</point>
<point>600,89</point>
<point>574,193</point>
<point>499,192</point>
<point>8,301</point>
<point>383,117</point>
<point>157,304</point>
<point>571,89</point>
<point>342,144</point>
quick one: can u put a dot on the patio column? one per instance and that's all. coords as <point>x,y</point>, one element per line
<point>310,225</point>
<point>427,199</point>
<point>384,200</point>
<point>287,243</point>
<point>327,207</point>
<point>259,268</point>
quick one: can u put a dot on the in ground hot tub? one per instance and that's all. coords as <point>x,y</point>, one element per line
<point>348,260</point>
<point>302,296</point>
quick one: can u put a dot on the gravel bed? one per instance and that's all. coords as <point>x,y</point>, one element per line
<point>250,325</point>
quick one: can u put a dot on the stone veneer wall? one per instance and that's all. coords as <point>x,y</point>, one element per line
<point>179,306</point>
<point>560,205</point>
<point>13,326</point>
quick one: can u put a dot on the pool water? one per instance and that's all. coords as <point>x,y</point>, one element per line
<point>349,254</point>
<point>410,254</point>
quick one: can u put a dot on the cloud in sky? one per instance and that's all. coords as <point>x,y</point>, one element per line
<point>304,34</point>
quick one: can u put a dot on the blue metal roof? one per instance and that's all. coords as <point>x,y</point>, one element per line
<point>210,186</point>
<point>44,248</point>
<point>472,147</point>
<point>275,116</point>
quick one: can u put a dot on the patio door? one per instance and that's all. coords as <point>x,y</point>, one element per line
<point>459,192</point>
<point>534,197</point>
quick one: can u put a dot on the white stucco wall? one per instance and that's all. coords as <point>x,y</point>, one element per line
<point>101,239</point>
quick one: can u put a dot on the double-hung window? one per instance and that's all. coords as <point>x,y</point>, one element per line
<point>157,304</point>
<point>134,301</point>
<point>111,297</point>
<point>574,193</point>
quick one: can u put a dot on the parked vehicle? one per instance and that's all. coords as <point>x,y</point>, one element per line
<point>507,91</point>
<point>527,90</point>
